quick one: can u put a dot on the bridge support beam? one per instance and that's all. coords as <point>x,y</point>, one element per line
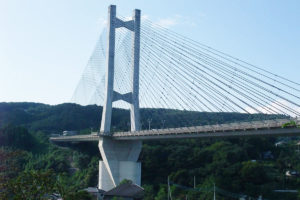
<point>120,157</point>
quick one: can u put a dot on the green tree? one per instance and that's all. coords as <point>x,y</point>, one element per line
<point>32,185</point>
<point>162,194</point>
<point>11,163</point>
<point>79,195</point>
<point>16,137</point>
<point>253,172</point>
<point>149,192</point>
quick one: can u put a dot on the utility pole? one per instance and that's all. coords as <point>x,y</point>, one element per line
<point>128,124</point>
<point>194,182</point>
<point>163,123</point>
<point>149,123</point>
<point>214,191</point>
<point>168,188</point>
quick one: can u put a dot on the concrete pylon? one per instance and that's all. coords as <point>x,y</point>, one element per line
<point>120,157</point>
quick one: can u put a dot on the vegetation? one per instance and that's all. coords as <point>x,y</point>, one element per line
<point>290,124</point>
<point>29,163</point>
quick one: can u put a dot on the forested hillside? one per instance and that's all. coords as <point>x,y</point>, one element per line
<point>250,166</point>
<point>68,116</point>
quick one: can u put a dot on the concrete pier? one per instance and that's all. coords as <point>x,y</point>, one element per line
<point>120,158</point>
<point>119,162</point>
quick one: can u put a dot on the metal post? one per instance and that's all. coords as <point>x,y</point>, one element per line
<point>134,108</point>
<point>149,124</point>
<point>109,77</point>
<point>194,182</point>
<point>168,188</point>
<point>214,191</point>
<point>163,123</point>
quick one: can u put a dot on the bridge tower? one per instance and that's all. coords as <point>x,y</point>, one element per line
<point>120,157</point>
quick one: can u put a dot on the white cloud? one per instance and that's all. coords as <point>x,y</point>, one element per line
<point>145,17</point>
<point>167,22</point>
<point>174,21</point>
<point>102,21</point>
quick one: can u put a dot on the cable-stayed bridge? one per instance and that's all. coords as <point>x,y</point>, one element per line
<point>138,64</point>
<point>242,129</point>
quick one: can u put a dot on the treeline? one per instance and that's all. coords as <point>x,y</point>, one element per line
<point>252,166</point>
<point>69,116</point>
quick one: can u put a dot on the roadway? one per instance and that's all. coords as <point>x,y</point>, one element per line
<point>241,129</point>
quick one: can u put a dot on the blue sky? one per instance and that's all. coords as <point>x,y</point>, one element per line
<point>45,45</point>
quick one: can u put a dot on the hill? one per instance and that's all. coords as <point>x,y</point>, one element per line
<point>251,166</point>
<point>69,116</point>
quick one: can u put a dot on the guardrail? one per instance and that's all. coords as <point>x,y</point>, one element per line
<point>217,130</point>
<point>75,138</point>
<point>240,126</point>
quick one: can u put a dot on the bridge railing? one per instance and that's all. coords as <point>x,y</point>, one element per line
<point>236,126</point>
<point>230,127</point>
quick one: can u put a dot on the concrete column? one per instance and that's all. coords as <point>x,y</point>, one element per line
<point>120,157</point>
<point>134,107</point>
<point>109,77</point>
<point>119,162</point>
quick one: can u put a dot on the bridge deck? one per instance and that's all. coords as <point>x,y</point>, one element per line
<point>256,128</point>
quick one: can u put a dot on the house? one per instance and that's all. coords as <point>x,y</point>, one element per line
<point>125,191</point>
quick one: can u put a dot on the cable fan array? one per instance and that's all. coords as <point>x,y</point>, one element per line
<point>179,73</point>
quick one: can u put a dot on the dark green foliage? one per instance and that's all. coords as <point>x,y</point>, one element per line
<point>235,165</point>
<point>227,163</point>
<point>162,193</point>
<point>32,185</point>
<point>68,116</point>
<point>79,195</point>
<point>16,137</point>
<point>49,118</point>
<point>11,163</point>
<point>69,191</point>
<point>125,181</point>
<point>253,172</point>
<point>81,160</point>
<point>55,159</point>
<point>149,192</point>
<point>38,185</point>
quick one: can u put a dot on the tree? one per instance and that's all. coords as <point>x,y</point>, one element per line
<point>32,185</point>
<point>253,172</point>
<point>125,181</point>
<point>162,194</point>
<point>16,137</point>
<point>149,192</point>
<point>79,195</point>
<point>11,163</point>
